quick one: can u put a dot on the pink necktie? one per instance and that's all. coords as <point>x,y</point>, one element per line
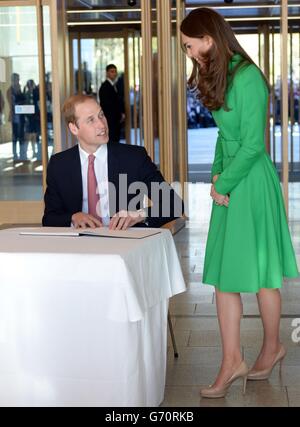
<point>93,195</point>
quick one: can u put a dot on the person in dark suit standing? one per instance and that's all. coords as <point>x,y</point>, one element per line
<point>95,183</point>
<point>112,103</point>
<point>86,79</point>
<point>16,97</point>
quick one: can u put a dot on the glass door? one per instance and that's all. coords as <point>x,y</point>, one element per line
<point>21,171</point>
<point>90,55</point>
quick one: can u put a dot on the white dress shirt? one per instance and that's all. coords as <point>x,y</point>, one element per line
<point>101,172</point>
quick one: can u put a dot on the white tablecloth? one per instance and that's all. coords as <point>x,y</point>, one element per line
<point>83,319</point>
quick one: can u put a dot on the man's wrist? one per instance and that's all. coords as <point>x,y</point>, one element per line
<point>143,215</point>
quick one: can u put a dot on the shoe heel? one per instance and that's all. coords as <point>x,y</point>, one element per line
<point>280,367</point>
<point>244,384</point>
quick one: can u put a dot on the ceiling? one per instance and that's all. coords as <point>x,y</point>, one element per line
<point>243,14</point>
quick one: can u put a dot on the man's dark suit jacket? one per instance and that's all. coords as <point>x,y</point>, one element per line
<point>111,104</point>
<point>63,196</point>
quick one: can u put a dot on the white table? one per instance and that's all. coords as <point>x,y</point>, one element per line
<point>83,320</point>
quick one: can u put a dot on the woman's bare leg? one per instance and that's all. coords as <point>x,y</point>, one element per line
<point>269,302</point>
<point>229,309</point>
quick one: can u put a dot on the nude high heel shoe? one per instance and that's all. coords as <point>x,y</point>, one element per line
<point>264,374</point>
<point>217,392</point>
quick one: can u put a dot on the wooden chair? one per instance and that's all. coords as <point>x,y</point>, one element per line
<point>172,335</point>
<point>174,227</point>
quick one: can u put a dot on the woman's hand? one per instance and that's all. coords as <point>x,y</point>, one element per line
<point>226,201</point>
<point>215,177</point>
<point>219,199</point>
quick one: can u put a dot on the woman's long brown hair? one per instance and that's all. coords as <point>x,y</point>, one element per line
<point>212,80</point>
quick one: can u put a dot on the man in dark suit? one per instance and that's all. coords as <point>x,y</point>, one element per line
<point>95,183</point>
<point>86,79</point>
<point>16,97</point>
<point>112,103</point>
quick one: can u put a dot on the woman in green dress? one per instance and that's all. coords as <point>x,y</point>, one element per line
<point>249,246</point>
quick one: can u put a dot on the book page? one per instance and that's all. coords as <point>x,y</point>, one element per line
<point>50,231</point>
<point>131,233</point>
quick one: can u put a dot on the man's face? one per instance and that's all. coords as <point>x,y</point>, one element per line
<point>91,128</point>
<point>112,74</point>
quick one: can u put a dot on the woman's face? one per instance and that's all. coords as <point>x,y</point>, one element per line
<point>196,48</point>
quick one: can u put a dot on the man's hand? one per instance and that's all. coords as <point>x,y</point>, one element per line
<point>125,219</point>
<point>83,220</point>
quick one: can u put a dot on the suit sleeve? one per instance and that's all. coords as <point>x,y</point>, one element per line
<point>166,204</point>
<point>252,97</point>
<point>105,99</point>
<point>101,95</point>
<point>55,214</point>
<point>217,166</point>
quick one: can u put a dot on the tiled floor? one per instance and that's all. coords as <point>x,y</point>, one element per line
<point>196,328</point>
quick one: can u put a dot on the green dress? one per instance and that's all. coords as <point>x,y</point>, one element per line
<point>249,245</point>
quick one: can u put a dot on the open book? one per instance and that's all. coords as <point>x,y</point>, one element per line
<point>132,233</point>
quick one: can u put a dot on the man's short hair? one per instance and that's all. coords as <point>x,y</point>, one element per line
<point>68,109</point>
<point>110,66</point>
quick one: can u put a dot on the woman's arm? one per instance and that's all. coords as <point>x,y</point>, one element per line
<point>217,166</point>
<point>252,97</point>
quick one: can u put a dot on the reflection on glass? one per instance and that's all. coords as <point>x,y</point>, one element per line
<point>48,78</point>
<point>96,54</point>
<point>155,90</point>
<point>86,79</point>
<point>90,68</point>
<point>134,47</point>
<point>20,128</point>
<point>75,81</point>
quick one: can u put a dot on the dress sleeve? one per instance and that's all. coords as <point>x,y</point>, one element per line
<point>217,166</point>
<point>252,97</point>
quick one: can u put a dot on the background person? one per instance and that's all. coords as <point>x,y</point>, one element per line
<point>112,103</point>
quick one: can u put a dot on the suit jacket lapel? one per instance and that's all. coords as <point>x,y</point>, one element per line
<point>77,178</point>
<point>113,178</point>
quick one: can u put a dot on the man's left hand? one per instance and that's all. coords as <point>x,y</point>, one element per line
<point>125,219</point>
